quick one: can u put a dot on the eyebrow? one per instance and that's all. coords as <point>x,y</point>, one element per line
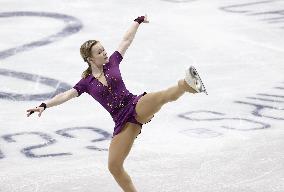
<point>100,49</point>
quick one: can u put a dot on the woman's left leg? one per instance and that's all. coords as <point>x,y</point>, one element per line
<point>151,103</point>
<point>119,148</point>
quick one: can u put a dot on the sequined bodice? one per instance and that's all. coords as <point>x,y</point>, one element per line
<point>112,97</point>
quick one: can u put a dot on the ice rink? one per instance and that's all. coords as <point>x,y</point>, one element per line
<point>231,140</point>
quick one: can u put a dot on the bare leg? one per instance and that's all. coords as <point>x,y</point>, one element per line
<point>151,103</point>
<point>119,148</point>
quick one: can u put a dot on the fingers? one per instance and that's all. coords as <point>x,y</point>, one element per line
<point>40,113</point>
<point>146,19</point>
<point>34,109</point>
<point>31,111</point>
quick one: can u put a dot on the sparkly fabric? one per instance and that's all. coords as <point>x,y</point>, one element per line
<point>115,98</point>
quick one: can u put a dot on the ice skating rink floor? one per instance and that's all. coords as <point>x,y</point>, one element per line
<point>229,141</point>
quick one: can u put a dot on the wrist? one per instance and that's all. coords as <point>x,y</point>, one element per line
<point>139,19</point>
<point>43,105</point>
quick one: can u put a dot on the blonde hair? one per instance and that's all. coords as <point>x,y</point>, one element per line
<point>85,52</point>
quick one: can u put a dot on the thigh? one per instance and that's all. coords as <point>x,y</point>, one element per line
<point>121,143</point>
<point>148,105</point>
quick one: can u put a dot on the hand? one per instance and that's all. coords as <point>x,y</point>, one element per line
<point>37,109</point>
<point>145,19</point>
<point>142,19</point>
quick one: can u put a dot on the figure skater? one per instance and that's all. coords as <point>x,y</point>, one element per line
<point>102,80</point>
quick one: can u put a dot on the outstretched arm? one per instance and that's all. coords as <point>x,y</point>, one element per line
<point>56,100</point>
<point>129,35</point>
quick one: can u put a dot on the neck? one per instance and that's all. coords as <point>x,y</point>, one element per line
<point>96,70</point>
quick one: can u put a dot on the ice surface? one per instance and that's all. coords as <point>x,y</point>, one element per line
<point>230,140</point>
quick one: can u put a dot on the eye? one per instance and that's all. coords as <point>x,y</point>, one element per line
<point>102,51</point>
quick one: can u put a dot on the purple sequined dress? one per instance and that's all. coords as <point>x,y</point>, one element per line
<point>115,98</point>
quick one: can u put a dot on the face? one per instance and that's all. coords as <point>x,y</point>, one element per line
<point>99,55</point>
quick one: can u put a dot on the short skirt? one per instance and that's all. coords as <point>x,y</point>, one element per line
<point>128,115</point>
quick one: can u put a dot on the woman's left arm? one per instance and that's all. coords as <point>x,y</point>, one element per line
<point>130,34</point>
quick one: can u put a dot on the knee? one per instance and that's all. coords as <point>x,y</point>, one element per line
<point>115,168</point>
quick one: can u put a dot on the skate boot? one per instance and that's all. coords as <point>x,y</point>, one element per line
<point>194,81</point>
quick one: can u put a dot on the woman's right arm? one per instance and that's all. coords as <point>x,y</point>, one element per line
<point>61,98</point>
<point>56,100</point>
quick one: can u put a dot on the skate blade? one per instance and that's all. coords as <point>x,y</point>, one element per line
<point>200,86</point>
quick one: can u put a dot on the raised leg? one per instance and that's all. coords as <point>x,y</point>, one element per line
<point>119,148</point>
<point>151,103</point>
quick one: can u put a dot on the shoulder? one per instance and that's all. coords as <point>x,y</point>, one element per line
<point>81,85</point>
<point>116,54</point>
<point>85,80</point>
<point>116,57</point>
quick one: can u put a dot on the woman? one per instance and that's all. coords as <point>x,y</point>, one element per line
<point>103,81</point>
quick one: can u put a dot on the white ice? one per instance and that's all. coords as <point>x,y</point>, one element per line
<point>229,141</point>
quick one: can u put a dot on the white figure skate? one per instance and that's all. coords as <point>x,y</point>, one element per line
<point>194,81</point>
